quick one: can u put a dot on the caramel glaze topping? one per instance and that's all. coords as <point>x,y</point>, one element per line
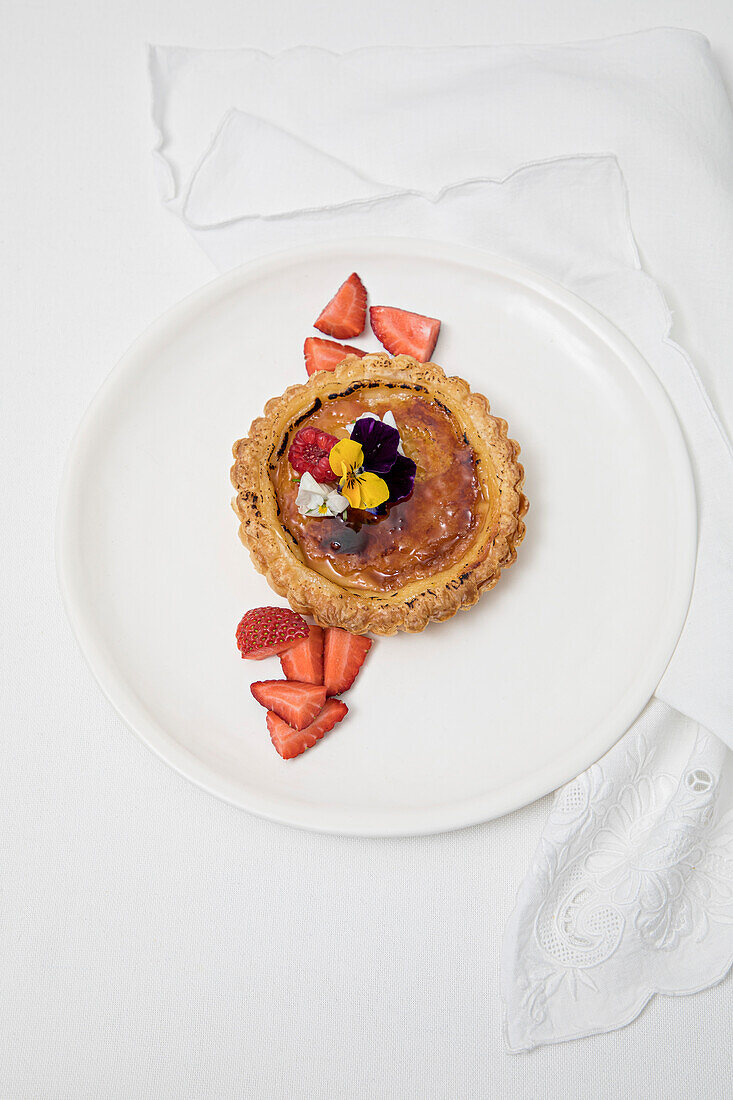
<point>418,537</point>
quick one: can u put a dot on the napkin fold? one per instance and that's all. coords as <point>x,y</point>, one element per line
<point>632,889</point>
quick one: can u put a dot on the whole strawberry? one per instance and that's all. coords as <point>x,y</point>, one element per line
<point>309,453</point>
<point>268,631</point>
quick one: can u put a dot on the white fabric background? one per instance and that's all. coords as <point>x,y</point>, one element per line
<point>154,942</point>
<point>653,919</point>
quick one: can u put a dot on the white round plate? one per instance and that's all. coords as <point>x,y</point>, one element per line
<point>470,719</point>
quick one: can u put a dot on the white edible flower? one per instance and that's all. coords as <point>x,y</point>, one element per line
<point>314,499</point>
<point>387,419</point>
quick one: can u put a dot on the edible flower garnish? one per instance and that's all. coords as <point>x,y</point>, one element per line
<point>315,499</point>
<point>382,454</point>
<point>388,418</point>
<point>362,488</point>
<point>400,479</point>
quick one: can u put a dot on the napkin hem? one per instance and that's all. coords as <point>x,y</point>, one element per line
<point>391,192</point>
<point>603,1029</point>
<point>668,339</point>
<point>464,46</point>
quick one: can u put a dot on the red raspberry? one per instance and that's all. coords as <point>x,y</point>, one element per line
<point>309,453</point>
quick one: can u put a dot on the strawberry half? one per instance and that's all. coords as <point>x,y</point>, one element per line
<point>267,631</point>
<point>304,661</point>
<point>297,704</point>
<point>404,333</point>
<point>343,656</point>
<point>326,354</point>
<point>345,314</point>
<point>290,742</point>
<point>309,453</point>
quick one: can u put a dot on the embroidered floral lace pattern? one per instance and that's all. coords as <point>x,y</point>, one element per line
<point>631,889</point>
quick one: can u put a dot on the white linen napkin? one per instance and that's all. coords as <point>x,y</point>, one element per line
<point>256,153</point>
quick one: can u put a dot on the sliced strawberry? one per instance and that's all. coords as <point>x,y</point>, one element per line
<point>304,660</point>
<point>326,354</point>
<point>297,704</point>
<point>345,314</point>
<point>290,742</point>
<point>309,453</point>
<point>404,333</point>
<point>343,656</point>
<point>267,631</point>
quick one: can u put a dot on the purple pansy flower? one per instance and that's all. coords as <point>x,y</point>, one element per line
<point>380,443</point>
<point>400,479</point>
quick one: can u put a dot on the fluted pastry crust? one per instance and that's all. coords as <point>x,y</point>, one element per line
<point>411,607</point>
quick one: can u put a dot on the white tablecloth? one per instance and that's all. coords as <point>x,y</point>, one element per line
<point>255,152</point>
<point>157,943</point>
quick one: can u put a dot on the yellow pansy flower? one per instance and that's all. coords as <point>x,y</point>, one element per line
<point>346,453</point>
<point>361,489</point>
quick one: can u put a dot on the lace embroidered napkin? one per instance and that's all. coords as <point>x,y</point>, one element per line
<point>630,892</point>
<point>631,888</point>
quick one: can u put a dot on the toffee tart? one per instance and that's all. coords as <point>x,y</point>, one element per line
<point>383,563</point>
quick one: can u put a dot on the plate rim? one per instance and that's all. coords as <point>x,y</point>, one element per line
<point>328,819</point>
